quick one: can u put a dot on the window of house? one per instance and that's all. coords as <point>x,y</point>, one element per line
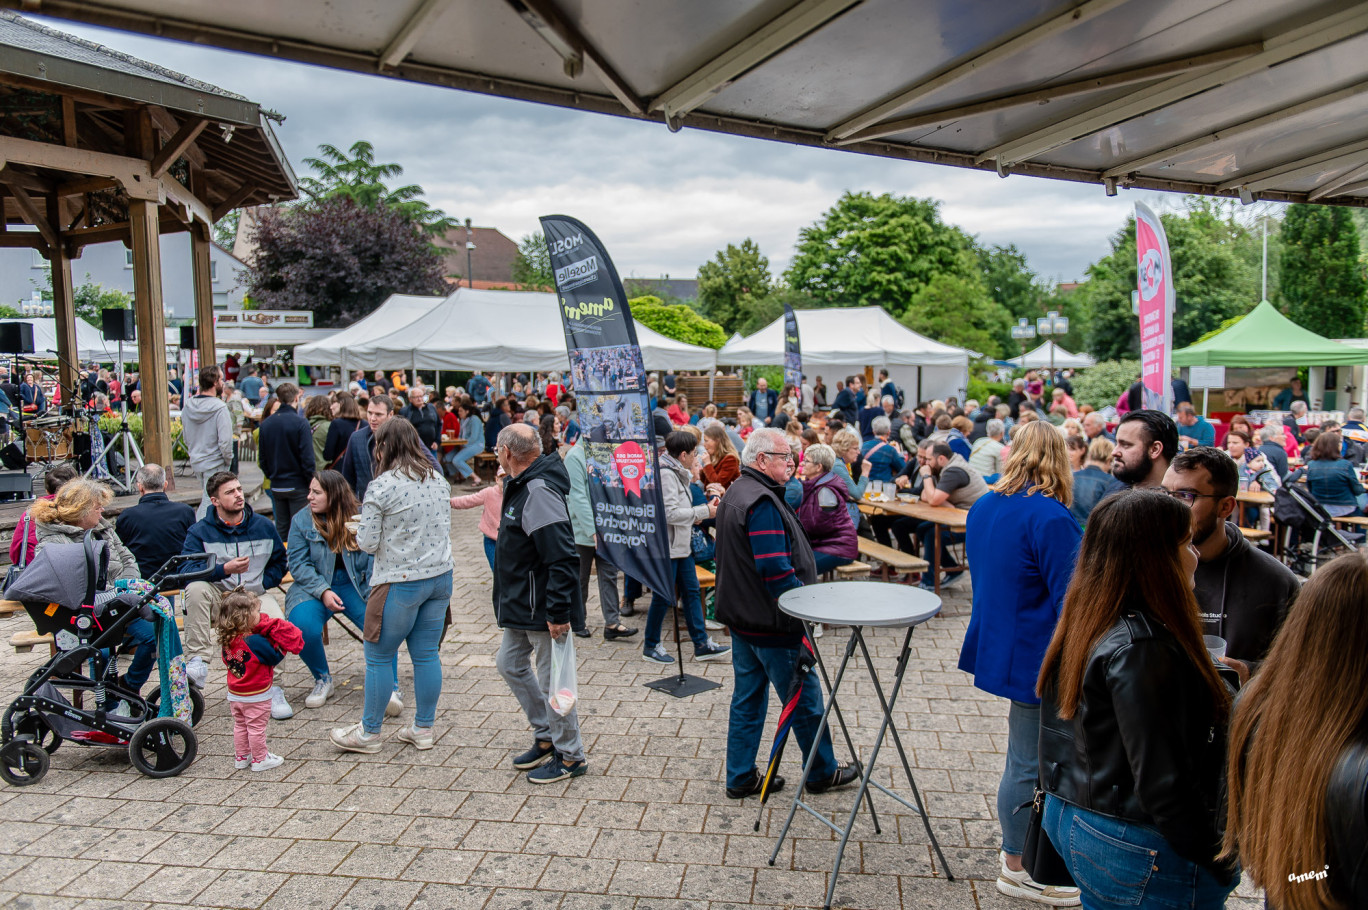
<point>213,270</point>
<point>128,258</point>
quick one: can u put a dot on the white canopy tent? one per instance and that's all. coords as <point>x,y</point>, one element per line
<point>1039,359</point>
<point>501,331</point>
<point>841,341</point>
<point>90,344</point>
<point>397,311</point>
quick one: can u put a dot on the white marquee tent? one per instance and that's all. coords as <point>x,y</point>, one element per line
<point>493,330</point>
<point>1039,359</point>
<point>397,311</point>
<point>840,341</point>
<point>90,344</point>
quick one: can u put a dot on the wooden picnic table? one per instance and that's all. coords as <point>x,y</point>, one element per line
<point>1254,497</point>
<point>941,515</point>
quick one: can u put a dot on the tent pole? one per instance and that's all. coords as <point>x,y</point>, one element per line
<point>919,384</point>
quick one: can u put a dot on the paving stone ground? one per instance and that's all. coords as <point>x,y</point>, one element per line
<point>648,828</point>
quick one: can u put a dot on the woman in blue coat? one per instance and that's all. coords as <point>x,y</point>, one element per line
<point>1021,542</point>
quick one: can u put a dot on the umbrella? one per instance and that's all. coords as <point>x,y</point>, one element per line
<point>807,659</point>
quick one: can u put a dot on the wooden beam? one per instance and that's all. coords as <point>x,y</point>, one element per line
<point>132,174</point>
<point>30,210</point>
<point>409,33</point>
<point>176,145</point>
<point>23,240</point>
<point>168,125</point>
<point>234,199</point>
<point>69,121</point>
<point>147,304</point>
<point>64,317</point>
<point>204,294</point>
<point>85,236</point>
<point>83,185</point>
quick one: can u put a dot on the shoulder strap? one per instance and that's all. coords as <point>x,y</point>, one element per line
<point>23,538</point>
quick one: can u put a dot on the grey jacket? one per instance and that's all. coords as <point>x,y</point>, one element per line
<point>208,433</point>
<point>680,512</point>
<point>121,561</point>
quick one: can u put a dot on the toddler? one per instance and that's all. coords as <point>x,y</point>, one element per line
<point>491,499</point>
<point>252,645</point>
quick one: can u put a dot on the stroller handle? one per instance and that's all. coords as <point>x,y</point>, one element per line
<point>167,578</point>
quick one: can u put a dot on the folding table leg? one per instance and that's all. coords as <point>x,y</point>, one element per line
<point>845,733</point>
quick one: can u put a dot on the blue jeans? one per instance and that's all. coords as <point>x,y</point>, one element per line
<point>631,588</point>
<point>1118,863</point>
<point>686,588</point>
<point>458,459</point>
<point>827,563</point>
<point>754,669</point>
<point>1019,776</point>
<point>489,552</point>
<point>414,613</point>
<point>311,616</point>
<point>143,634</point>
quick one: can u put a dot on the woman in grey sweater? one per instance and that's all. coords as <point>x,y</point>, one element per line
<point>406,525</point>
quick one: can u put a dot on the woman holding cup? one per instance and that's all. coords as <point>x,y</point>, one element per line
<point>331,575</point>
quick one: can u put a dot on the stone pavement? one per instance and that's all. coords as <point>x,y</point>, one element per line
<point>649,827</point>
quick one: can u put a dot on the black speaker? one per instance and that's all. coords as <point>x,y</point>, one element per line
<point>16,338</point>
<point>12,456</point>
<point>188,339</point>
<point>118,325</point>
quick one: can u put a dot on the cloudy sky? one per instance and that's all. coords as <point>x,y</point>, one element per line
<point>662,202</point>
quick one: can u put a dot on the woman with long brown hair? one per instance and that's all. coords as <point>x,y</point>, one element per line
<point>722,464</point>
<point>1021,542</point>
<point>1133,716</point>
<point>406,526</point>
<point>1297,816</point>
<point>347,417</point>
<point>331,575</point>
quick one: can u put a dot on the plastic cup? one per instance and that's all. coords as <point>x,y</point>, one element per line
<point>1215,645</point>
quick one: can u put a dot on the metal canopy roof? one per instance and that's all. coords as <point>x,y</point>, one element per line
<point>1261,99</point>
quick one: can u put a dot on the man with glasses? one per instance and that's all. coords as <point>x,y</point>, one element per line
<point>1242,592</point>
<point>762,552</point>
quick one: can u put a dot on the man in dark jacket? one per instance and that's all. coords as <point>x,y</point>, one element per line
<point>762,552</point>
<point>153,530</point>
<point>763,402</point>
<point>536,589</point>
<point>848,400</point>
<point>358,462</point>
<point>424,417</point>
<point>285,449</point>
<point>1242,592</point>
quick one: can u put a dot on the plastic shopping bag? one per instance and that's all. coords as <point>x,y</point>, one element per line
<point>564,689</point>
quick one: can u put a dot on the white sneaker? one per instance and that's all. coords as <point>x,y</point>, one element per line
<point>322,690</point>
<point>713,625</point>
<point>418,737</point>
<point>280,708</point>
<point>270,761</point>
<point>240,763</point>
<point>817,630</point>
<point>197,671</point>
<point>395,706</point>
<point>354,739</point>
<point>1020,884</point>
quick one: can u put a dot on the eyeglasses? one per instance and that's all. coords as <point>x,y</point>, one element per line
<point>1190,496</point>
<point>787,456</point>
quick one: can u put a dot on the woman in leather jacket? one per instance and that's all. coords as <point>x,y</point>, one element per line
<point>1298,777</point>
<point>1133,717</point>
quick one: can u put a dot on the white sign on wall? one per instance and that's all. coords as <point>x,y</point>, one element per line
<point>1206,377</point>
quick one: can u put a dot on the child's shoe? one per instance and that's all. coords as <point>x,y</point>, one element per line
<point>270,761</point>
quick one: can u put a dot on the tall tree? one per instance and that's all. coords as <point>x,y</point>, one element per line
<point>1323,283</point>
<point>532,266</point>
<point>677,321</point>
<point>355,175</point>
<point>878,251</point>
<point>340,260</point>
<point>958,310</point>
<point>731,282</point>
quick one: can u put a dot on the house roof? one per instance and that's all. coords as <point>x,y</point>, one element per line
<point>491,260</point>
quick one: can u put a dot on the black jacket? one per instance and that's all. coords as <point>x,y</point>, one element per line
<point>1291,423</point>
<point>339,431</point>
<point>154,530</point>
<point>848,404</point>
<point>285,449</point>
<point>743,601</point>
<point>1346,804</point>
<point>1244,595</point>
<point>1147,743</point>
<point>536,565</point>
<point>425,421</point>
<point>1014,401</point>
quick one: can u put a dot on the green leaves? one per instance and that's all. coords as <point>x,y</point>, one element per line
<point>958,310</point>
<point>532,266</point>
<point>732,282</point>
<point>677,321</point>
<point>1323,283</point>
<point>354,175</point>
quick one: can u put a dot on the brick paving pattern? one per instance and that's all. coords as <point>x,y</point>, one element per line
<point>648,828</point>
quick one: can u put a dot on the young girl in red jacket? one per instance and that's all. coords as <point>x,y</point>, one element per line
<point>252,645</point>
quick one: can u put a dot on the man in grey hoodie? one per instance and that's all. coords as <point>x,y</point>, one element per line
<point>208,432</point>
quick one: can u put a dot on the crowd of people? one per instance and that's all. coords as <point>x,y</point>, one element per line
<point>1103,565</point>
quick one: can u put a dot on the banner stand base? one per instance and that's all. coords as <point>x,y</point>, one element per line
<point>681,685</point>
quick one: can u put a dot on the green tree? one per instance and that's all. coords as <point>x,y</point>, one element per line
<point>88,299</point>
<point>878,251</point>
<point>1102,385</point>
<point>225,229</point>
<point>959,310</point>
<point>355,175</point>
<point>532,265</point>
<point>677,321</point>
<point>1323,283</point>
<point>731,282</point>
<point>763,311</point>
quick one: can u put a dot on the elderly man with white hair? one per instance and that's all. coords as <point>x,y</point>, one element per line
<point>762,551</point>
<point>1095,426</point>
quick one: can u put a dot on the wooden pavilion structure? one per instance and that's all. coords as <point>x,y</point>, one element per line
<point>98,146</point>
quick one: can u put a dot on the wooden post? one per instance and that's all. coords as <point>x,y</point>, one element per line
<point>147,305</point>
<point>204,297</point>
<point>64,319</point>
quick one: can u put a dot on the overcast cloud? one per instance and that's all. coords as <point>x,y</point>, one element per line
<point>662,202</point>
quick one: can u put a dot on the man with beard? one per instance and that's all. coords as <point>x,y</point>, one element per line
<point>947,480</point>
<point>1146,441</point>
<point>1242,592</point>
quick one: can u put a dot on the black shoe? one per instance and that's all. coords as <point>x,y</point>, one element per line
<point>612,634</point>
<point>844,777</point>
<point>586,632</point>
<point>753,788</point>
<point>628,608</point>
<point>534,757</point>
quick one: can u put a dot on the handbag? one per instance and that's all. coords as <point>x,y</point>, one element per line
<point>17,569</point>
<point>1039,856</point>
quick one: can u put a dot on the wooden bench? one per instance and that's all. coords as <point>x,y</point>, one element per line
<point>10,607</point>
<point>853,570</point>
<point>486,463</point>
<point>1255,535</point>
<point>706,579</point>
<point>892,560</point>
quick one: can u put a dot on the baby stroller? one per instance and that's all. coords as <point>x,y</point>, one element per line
<point>1310,535</point>
<point>61,588</point>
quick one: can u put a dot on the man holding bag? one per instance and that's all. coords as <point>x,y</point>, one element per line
<point>536,589</point>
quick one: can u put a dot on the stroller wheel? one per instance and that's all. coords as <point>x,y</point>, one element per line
<point>22,762</point>
<point>196,705</point>
<point>162,747</point>
<point>36,728</point>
